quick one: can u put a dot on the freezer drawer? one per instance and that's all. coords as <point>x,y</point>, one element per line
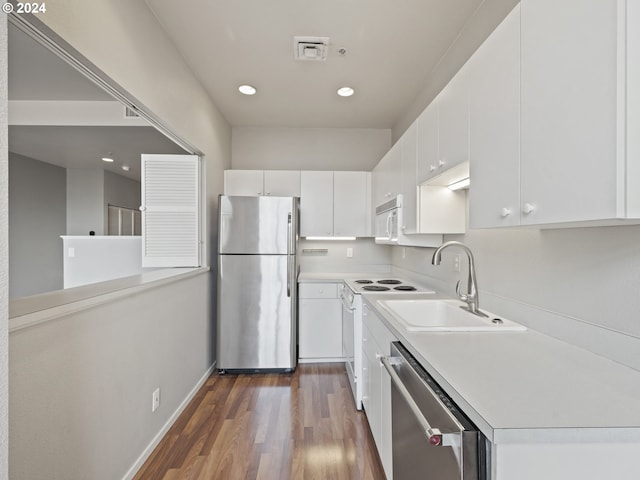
<point>256,312</point>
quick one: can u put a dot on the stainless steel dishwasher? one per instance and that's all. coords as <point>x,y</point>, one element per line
<point>432,438</point>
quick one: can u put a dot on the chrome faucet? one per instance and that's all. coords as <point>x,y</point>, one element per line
<point>471,297</point>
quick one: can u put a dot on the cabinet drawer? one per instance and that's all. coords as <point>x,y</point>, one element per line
<point>318,290</point>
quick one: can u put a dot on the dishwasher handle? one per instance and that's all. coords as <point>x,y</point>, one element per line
<point>434,435</point>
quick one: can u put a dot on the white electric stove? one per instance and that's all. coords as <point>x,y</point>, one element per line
<point>352,321</point>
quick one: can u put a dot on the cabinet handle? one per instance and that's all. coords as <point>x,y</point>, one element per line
<point>440,163</point>
<point>432,168</point>
<point>505,212</point>
<point>528,208</point>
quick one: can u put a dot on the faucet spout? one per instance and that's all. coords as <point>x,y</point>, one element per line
<point>471,296</point>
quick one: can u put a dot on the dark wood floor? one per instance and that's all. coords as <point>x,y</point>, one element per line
<point>302,425</point>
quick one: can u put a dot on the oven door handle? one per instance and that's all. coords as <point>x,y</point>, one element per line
<point>346,303</point>
<point>434,435</point>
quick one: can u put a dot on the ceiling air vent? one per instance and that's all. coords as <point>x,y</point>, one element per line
<point>310,48</point>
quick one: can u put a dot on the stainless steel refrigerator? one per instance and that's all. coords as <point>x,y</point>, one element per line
<point>257,285</point>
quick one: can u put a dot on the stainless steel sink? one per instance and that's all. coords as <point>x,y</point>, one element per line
<point>444,316</point>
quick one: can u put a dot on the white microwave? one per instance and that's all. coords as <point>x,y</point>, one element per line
<point>387,221</point>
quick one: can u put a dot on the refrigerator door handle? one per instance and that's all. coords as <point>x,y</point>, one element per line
<point>289,259</point>
<point>290,238</point>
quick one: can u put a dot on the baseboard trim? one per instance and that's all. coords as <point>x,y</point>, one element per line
<point>163,431</point>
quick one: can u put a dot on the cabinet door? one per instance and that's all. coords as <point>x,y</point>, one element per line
<point>320,328</point>
<point>372,403</point>
<point>427,139</point>
<point>569,92</point>
<point>387,176</point>
<point>408,146</point>
<point>453,122</point>
<point>243,182</point>
<point>494,127</point>
<point>316,203</point>
<point>282,183</point>
<point>352,211</point>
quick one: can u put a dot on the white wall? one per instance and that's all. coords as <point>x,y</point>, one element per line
<point>580,285</point>
<point>88,434</point>
<point>257,148</point>
<point>120,191</point>
<point>367,256</point>
<point>81,385</point>
<point>4,255</point>
<point>37,218</point>
<point>100,258</point>
<point>85,201</point>
<point>142,59</point>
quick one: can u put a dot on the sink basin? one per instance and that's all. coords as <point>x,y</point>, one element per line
<point>444,316</point>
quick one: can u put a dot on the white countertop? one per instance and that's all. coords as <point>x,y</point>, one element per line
<point>521,387</point>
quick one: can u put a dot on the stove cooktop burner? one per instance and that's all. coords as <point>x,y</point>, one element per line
<point>389,282</point>
<point>405,288</point>
<point>364,281</point>
<point>375,288</point>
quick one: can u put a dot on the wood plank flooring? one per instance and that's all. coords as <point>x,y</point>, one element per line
<point>302,425</point>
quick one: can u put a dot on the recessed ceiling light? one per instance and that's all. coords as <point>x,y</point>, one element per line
<point>126,168</point>
<point>108,158</point>
<point>247,89</point>
<point>346,91</point>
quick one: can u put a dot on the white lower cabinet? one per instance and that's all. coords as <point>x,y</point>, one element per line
<point>376,342</point>
<point>319,322</point>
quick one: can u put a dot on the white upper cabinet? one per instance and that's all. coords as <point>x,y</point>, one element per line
<point>352,204</point>
<point>316,204</point>
<point>335,204</point>
<point>387,176</point>
<point>494,127</point>
<point>453,122</point>
<point>283,183</point>
<point>243,182</point>
<point>427,143</point>
<point>579,120</point>
<point>409,182</point>
<point>443,129</point>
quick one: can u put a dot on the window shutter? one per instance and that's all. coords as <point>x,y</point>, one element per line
<point>170,211</point>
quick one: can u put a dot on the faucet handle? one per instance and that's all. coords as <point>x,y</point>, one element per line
<point>462,296</point>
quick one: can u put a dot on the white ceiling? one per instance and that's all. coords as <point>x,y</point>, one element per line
<point>392,47</point>
<point>37,74</point>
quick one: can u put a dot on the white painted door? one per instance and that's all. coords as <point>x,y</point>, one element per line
<point>282,183</point>
<point>494,127</point>
<point>453,122</point>
<point>569,162</point>
<point>408,155</point>
<point>387,176</point>
<point>320,328</point>
<point>427,143</point>
<point>243,182</point>
<point>316,203</point>
<point>351,212</point>
<point>170,210</point>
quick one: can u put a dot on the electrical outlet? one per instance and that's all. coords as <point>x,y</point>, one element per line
<point>155,399</point>
<point>71,252</point>
<point>456,262</point>
<point>349,252</point>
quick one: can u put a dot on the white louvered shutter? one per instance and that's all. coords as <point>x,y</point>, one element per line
<point>170,213</point>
